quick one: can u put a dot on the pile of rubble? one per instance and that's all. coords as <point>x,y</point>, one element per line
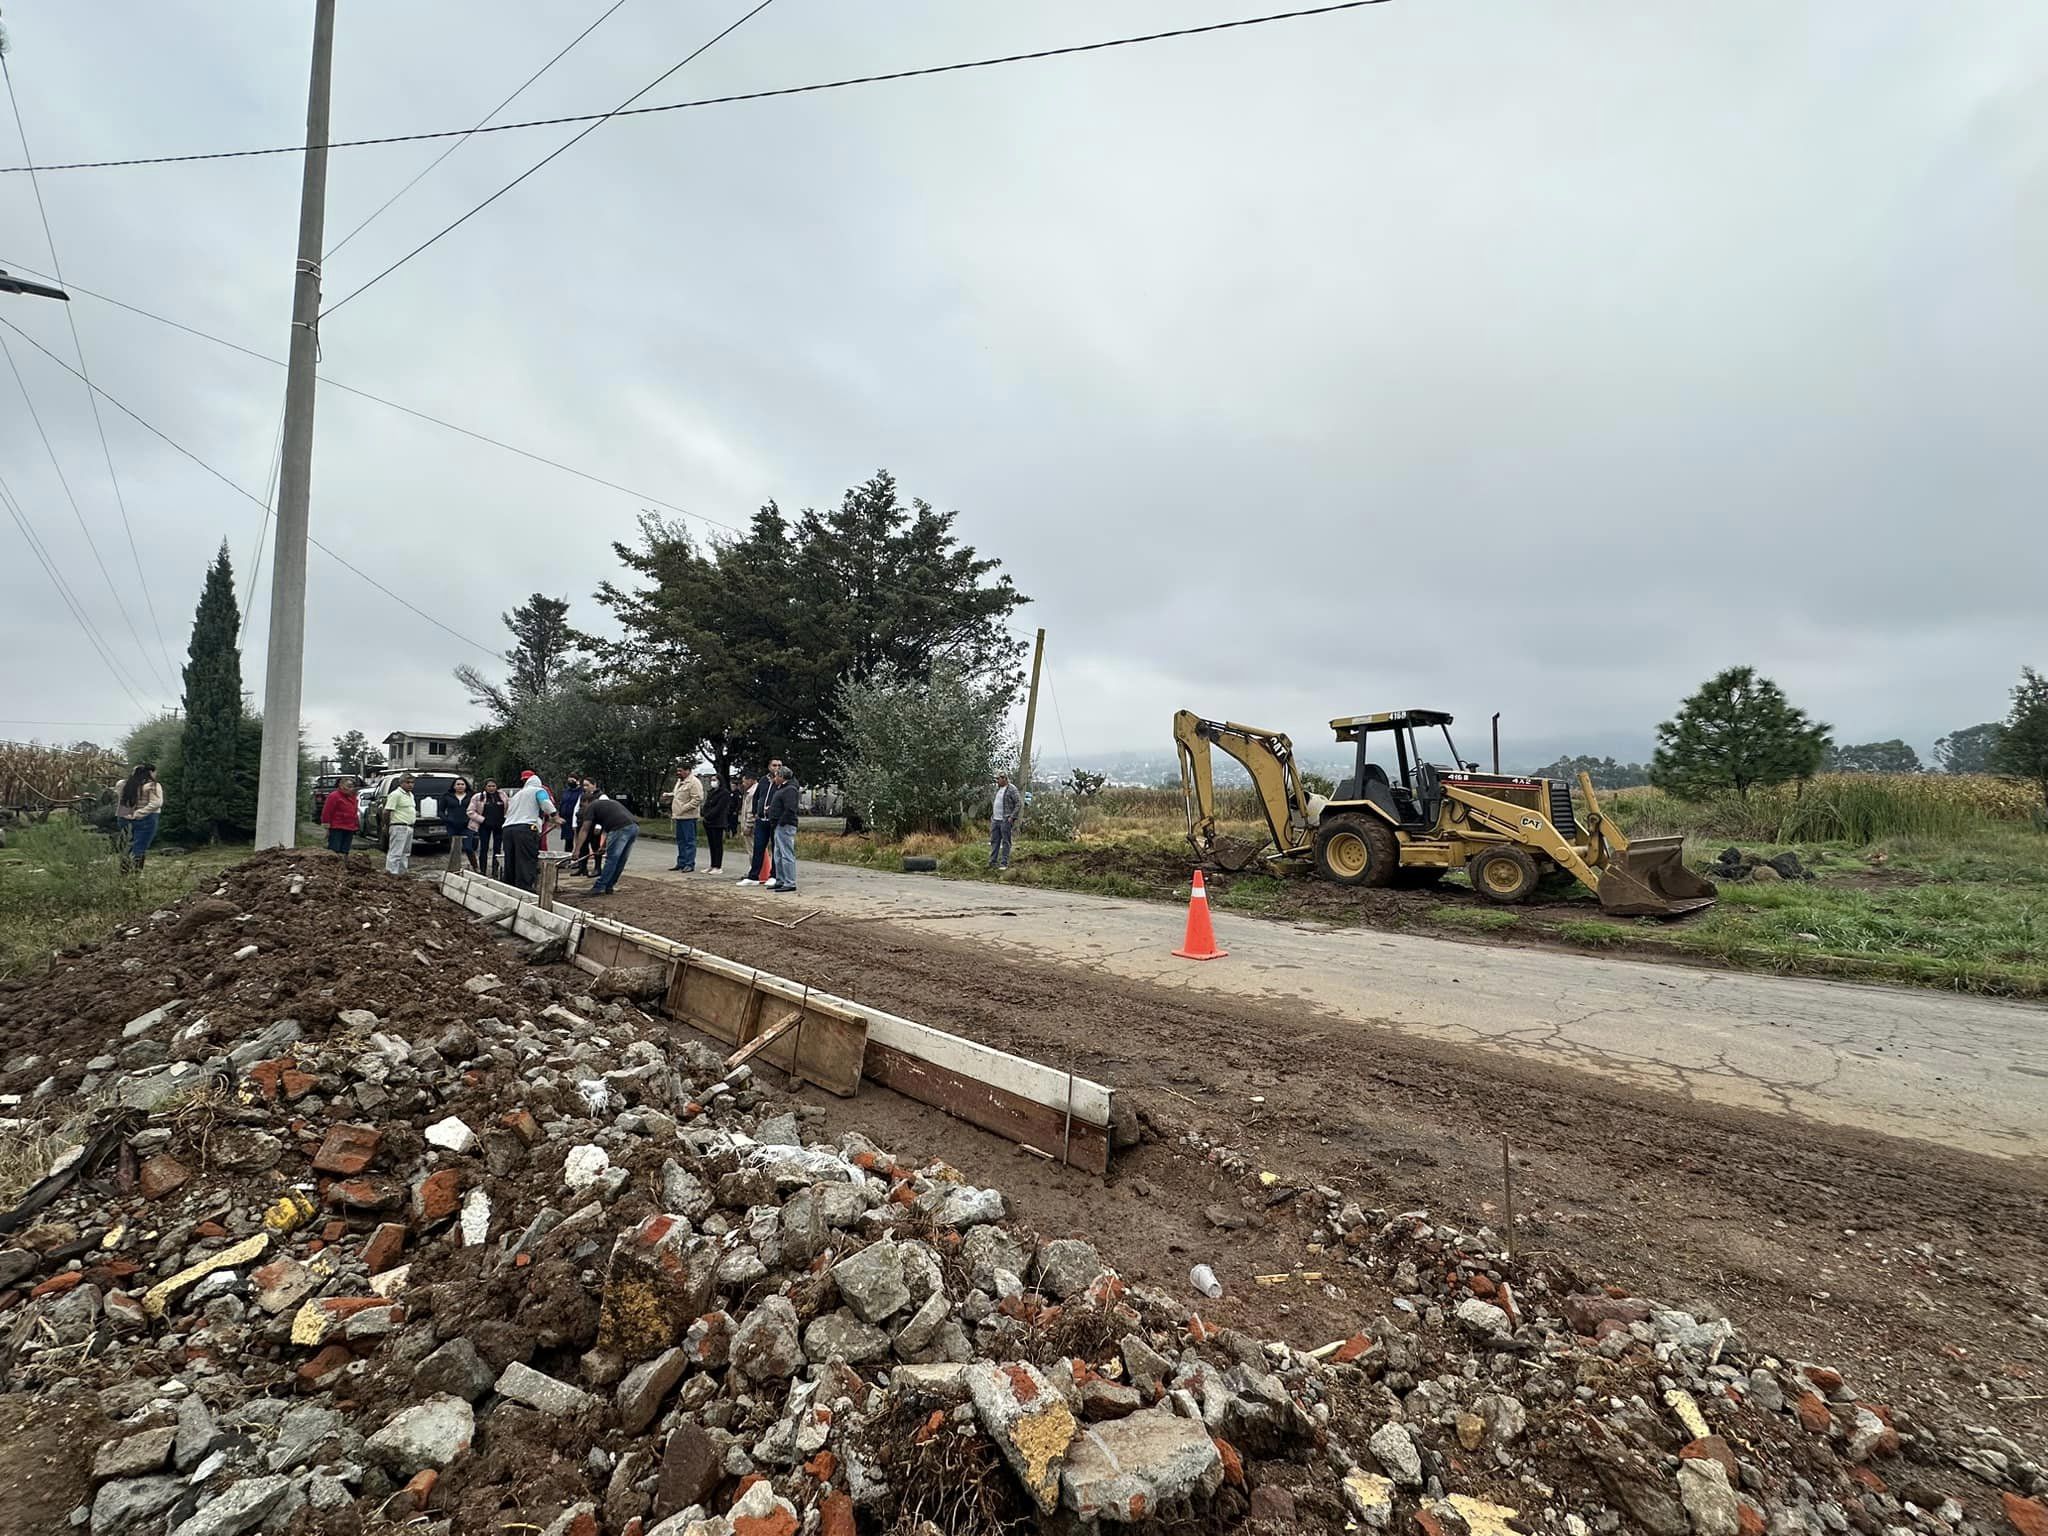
<point>1734,864</point>
<point>519,1259</point>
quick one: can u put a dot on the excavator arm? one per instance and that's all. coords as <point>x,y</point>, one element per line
<point>1269,757</point>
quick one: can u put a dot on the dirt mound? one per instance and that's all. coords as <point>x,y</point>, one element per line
<point>281,935</point>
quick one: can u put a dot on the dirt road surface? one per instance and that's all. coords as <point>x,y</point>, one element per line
<point>1962,1071</point>
<point>1394,1073</point>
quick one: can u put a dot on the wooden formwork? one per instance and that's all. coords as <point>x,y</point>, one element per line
<point>834,1041</point>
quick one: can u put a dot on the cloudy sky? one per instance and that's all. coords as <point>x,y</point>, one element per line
<point>1541,358</point>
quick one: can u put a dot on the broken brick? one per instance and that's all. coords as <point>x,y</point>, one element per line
<point>324,1364</point>
<point>822,1466</point>
<point>366,1194</point>
<point>384,1248</point>
<point>436,1198</point>
<point>1233,1464</point>
<point>2027,1516</point>
<point>162,1175</point>
<point>522,1125</point>
<point>1813,1413</point>
<point>1352,1348</point>
<point>1714,1448</point>
<point>348,1150</point>
<point>57,1284</point>
<point>835,1515</point>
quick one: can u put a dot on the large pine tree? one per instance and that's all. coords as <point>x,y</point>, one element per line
<point>1738,731</point>
<point>203,798</point>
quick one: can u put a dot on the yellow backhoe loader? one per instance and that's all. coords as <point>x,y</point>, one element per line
<point>1414,825</point>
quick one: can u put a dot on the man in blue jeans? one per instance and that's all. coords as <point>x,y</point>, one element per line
<point>601,813</point>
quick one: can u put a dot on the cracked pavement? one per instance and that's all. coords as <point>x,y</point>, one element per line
<point>1961,1071</point>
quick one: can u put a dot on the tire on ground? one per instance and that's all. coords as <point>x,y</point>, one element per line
<point>1504,874</point>
<point>1357,850</point>
<point>919,864</point>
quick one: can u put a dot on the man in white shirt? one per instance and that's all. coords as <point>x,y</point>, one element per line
<point>1002,821</point>
<point>530,809</point>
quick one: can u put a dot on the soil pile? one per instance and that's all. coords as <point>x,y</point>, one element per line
<point>362,1222</point>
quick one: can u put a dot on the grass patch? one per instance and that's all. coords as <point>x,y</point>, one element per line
<point>1484,919</point>
<point>62,884</point>
<point>1594,933</point>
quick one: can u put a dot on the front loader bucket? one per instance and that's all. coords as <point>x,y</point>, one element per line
<point>1651,880</point>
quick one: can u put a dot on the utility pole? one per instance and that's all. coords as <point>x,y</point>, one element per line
<point>277,787</point>
<point>1030,719</point>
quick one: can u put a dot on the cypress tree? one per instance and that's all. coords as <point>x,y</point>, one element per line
<point>203,799</point>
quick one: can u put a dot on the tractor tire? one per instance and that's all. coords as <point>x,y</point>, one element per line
<point>1357,850</point>
<point>1505,874</point>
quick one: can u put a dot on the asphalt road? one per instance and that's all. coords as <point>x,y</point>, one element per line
<point>1960,1071</point>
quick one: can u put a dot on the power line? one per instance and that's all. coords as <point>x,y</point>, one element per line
<point>561,149</point>
<point>721,101</point>
<point>1055,695</point>
<point>271,473</point>
<point>36,417</point>
<point>70,599</point>
<point>78,346</point>
<point>471,133</point>
<point>334,383</point>
<point>244,493</point>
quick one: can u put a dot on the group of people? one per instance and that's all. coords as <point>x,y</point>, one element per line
<point>504,833</point>
<point>762,810</point>
<point>498,832</point>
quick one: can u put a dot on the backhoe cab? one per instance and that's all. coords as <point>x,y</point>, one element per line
<point>1412,825</point>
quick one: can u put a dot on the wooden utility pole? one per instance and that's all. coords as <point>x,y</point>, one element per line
<point>277,784</point>
<point>1030,720</point>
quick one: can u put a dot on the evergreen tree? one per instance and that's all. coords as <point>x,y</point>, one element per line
<point>2022,749</point>
<point>1969,750</point>
<point>203,800</point>
<point>1892,756</point>
<point>542,643</point>
<point>747,643</point>
<point>1739,730</point>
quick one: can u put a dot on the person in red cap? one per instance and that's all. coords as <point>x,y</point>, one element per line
<point>529,810</point>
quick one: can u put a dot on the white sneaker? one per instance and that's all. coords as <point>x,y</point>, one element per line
<point>750,880</point>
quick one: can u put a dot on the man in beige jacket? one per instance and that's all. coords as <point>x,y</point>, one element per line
<point>686,804</point>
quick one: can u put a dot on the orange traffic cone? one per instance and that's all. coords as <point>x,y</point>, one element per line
<point>765,875</point>
<point>1200,944</point>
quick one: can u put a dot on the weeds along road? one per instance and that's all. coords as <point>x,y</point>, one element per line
<point>1962,1071</point>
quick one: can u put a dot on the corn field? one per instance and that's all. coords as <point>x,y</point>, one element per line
<point>33,775</point>
<point>1838,807</point>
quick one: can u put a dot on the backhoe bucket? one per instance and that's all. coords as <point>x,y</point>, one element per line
<point>1651,880</point>
<point>1235,853</point>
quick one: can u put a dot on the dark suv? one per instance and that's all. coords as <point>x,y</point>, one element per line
<point>427,789</point>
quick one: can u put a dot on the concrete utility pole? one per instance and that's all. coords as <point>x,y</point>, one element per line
<point>277,788</point>
<point>1030,720</point>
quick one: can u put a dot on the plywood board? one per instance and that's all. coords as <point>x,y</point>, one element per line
<point>828,1048</point>
<point>993,1109</point>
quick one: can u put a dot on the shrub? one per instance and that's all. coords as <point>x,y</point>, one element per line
<point>1052,815</point>
<point>918,750</point>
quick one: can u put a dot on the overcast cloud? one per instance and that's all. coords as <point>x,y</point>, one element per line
<point>1540,358</point>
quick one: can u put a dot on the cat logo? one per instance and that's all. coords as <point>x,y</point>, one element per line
<point>1531,823</point>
